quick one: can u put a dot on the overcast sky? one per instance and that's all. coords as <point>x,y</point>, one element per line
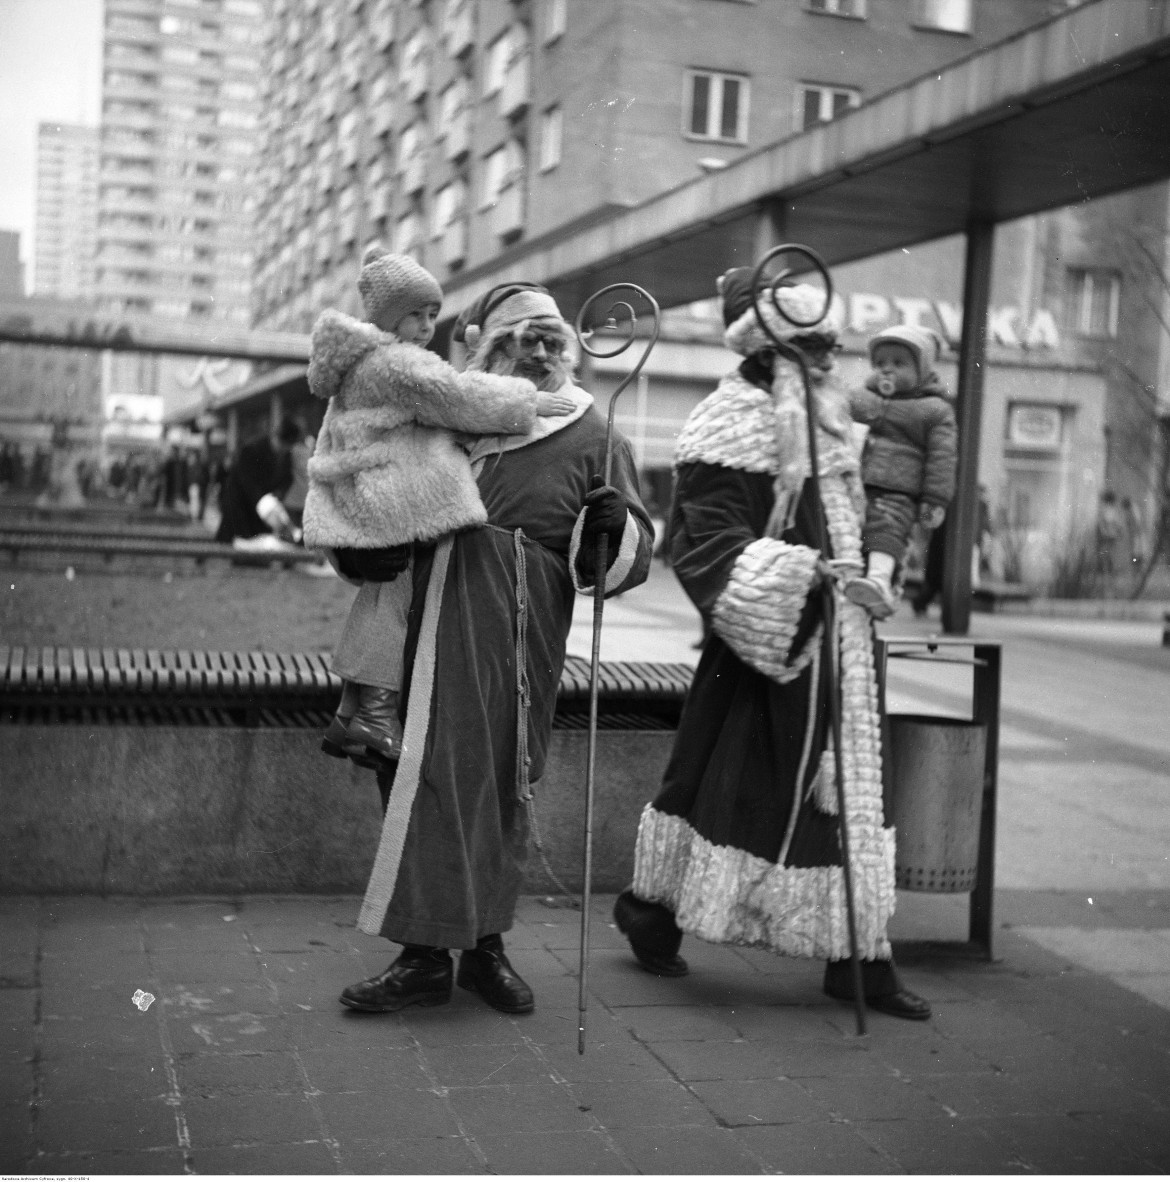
<point>50,71</point>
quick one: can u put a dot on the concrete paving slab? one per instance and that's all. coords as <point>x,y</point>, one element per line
<point>518,1108</point>
<point>213,1075</point>
<point>362,1069</point>
<point>449,1154</point>
<point>689,1149</point>
<point>654,1102</point>
<point>829,1147</point>
<point>748,1103</point>
<point>1107,951</point>
<point>262,1118</point>
<point>409,1112</point>
<point>937,1145</point>
<point>97,1124</point>
<point>145,1162</point>
<point>301,1157</point>
<point>574,1152</point>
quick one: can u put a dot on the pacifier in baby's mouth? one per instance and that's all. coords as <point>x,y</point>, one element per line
<point>885,386</point>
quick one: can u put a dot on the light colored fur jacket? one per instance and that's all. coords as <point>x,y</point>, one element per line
<point>386,468</point>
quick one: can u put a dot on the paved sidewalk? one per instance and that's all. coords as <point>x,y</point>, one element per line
<point>245,1062</point>
<point>1053,1059</point>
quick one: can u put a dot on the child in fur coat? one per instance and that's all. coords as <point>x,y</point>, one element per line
<point>387,471</point>
<point>909,461</point>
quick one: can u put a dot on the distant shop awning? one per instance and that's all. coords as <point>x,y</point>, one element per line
<point>282,379</point>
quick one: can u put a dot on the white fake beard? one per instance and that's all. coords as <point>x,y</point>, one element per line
<point>548,375</point>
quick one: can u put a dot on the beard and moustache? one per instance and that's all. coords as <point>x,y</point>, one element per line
<point>547,374</point>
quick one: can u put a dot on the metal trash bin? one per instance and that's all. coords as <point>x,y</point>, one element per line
<point>938,770</point>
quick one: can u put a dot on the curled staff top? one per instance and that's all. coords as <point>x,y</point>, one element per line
<point>620,318</point>
<point>770,286</point>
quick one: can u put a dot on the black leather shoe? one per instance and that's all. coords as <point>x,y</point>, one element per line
<point>902,1004</point>
<point>416,978</point>
<point>653,935</point>
<point>485,970</point>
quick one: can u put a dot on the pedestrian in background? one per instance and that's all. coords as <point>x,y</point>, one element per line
<point>260,476</point>
<point>1135,533</point>
<point>741,844</point>
<point>1110,535</point>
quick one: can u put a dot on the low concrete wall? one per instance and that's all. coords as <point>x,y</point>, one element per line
<point>191,810</point>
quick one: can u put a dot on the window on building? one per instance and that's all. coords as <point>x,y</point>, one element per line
<point>406,233</point>
<point>854,8</point>
<point>499,53</point>
<point>495,168</point>
<point>716,106</point>
<point>500,169</point>
<point>551,126</point>
<point>555,14</point>
<point>1092,300</point>
<point>949,16</point>
<point>452,101</point>
<point>449,204</point>
<point>820,104</point>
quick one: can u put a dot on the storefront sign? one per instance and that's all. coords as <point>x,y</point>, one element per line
<point>1033,426</point>
<point>865,314</point>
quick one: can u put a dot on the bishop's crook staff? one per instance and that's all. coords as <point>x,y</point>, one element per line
<point>615,333</point>
<point>765,286</point>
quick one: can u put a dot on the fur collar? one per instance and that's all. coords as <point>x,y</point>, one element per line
<point>338,343</point>
<point>490,445</point>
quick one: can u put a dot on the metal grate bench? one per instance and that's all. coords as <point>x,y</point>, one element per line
<point>204,688</point>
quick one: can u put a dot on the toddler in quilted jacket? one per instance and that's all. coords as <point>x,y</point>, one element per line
<point>389,469</point>
<point>909,460</point>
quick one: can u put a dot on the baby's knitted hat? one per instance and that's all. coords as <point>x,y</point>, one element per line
<point>393,286</point>
<point>924,343</point>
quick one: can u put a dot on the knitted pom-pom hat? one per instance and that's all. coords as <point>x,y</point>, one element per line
<point>924,343</point>
<point>393,286</point>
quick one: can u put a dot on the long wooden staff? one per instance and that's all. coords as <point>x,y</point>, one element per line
<point>829,646</point>
<point>620,317</point>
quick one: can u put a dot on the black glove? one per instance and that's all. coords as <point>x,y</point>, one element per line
<point>605,513</point>
<point>374,566</point>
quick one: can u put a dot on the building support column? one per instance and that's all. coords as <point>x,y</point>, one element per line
<point>960,539</point>
<point>771,227</point>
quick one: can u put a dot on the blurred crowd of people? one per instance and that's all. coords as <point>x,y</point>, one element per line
<point>182,479</point>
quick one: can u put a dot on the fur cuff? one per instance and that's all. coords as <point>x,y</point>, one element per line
<point>757,613</point>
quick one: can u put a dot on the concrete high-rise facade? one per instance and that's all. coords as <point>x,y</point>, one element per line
<point>456,128</point>
<point>66,218</point>
<point>180,117</point>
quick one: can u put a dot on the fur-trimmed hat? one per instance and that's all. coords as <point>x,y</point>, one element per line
<point>735,289</point>
<point>924,343</point>
<point>802,301</point>
<point>505,306</point>
<point>394,285</point>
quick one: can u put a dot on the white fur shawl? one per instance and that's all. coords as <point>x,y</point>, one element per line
<point>386,468</point>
